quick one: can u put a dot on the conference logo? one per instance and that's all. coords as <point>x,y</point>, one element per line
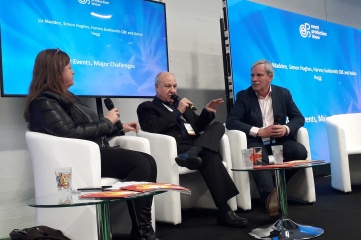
<point>84,1</point>
<point>96,3</point>
<point>305,30</point>
<point>308,30</point>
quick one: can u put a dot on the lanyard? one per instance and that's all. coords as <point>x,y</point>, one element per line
<point>171,110</point>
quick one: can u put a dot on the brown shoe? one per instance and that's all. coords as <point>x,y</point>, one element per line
<point>272,204</point>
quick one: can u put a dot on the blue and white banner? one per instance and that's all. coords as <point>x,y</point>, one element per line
<point>318,61</point>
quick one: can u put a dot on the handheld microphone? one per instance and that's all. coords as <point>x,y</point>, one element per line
<point>109,105</point>
<point>177,98</point>
<point>277,119</point>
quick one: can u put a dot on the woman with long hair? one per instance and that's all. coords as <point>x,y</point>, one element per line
<point>52,109</point>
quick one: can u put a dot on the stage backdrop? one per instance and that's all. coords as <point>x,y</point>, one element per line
<point>116,46</point>
<point>318,61</point>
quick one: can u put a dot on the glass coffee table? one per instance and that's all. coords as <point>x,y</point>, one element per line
<point>102,207</point>
<point>284,228</point>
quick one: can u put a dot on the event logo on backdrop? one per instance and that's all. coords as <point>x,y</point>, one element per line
<point>311,31</point>
<point>84,1</point>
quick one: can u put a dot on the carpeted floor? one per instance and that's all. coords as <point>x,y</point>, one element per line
<point>337,213</point>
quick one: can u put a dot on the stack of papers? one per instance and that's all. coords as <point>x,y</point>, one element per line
<point>294,163</point>
<point>128,189</point>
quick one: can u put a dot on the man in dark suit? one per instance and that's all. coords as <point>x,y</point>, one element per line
<point>197,140</point>
<point>261,111</point>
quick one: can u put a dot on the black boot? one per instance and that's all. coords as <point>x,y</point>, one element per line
<point>140,213</point>
<point>143,233</point>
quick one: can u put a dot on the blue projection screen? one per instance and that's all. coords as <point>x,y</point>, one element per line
<point>318,61</point>
<point>116,46</point>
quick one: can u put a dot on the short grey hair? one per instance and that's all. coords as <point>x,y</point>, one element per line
<point>267,64</point>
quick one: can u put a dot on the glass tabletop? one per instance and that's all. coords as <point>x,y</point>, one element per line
<point>285,166</point>
<point>56,201</point>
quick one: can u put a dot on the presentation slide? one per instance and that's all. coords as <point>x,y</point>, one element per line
<point>116,46</point>
<point>318,61</point>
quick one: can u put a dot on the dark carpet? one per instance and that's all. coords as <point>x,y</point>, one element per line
<point>339,214</point>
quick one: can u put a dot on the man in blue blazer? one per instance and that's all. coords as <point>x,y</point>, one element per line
<point>269,116</point>
<point>197,138</point>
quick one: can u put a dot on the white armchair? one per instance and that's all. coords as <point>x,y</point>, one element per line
<point>344,139</point>
<point>168,205</point>
<point>301,186</point>
<point>48,152</point>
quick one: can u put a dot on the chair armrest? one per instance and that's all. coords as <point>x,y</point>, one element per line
<point>224,150</point>
<point>49,152</point>
<point>132,143</point>
<point>336,140</point>
<point>237,142</point>
<point>164,151</point>
<point>127,142</point>
<point>302,137</point>
<point>340,170</point>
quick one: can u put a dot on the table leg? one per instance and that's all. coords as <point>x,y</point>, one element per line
<point>282,192</point>
<point>103,217</point>
<point>285,228</point>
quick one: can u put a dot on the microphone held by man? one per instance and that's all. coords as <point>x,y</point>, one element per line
<point>276,121</point>
<point>177,98</point>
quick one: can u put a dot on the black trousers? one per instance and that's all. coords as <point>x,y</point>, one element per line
<point>292,150</point>
<point>219,183</point>
<point>132,166</point>
<point>127,164</point>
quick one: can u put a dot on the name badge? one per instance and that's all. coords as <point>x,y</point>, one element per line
<point>189,129</point>
<point>266,140</point>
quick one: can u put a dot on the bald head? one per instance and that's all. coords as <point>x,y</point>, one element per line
<point>161,76</point>
<point>165,86</point>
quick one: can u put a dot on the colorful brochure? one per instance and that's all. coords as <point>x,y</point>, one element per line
<point>109,194</point>
<point>289,164</point>
<point>127,189</point>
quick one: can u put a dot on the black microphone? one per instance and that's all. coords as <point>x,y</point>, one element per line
<point>177,98</point>
<point>109,104</point>
<point>277,119</point>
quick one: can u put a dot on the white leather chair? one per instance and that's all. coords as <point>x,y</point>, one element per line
<point>344,140</point>
<point>301,186</point>
<point>48,152</point>
<point>168,205</point>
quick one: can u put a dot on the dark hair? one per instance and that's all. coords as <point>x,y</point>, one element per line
<point>47,76</point>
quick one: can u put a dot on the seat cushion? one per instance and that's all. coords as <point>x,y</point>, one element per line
<point>109,181</point>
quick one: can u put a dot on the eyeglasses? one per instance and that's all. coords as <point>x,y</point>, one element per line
<point>57,50</point>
